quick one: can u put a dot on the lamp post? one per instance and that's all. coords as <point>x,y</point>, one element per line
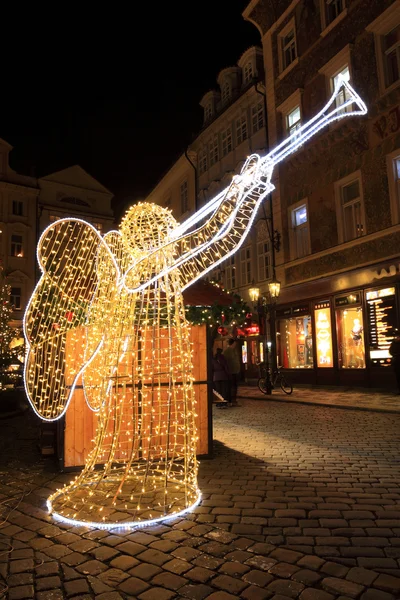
<point>264,306</point>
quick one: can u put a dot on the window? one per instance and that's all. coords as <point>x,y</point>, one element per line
<point>332,11</point>
<point>203,161</point>
<point>230,273</point>
<point>245,265</point>
<point>382,323</point>
<point>343,95</point>
<point>241,129</point>
<point>264,260</point>
<point>214,151</point>
<point>393,167</point>
<point>248,73</point>
<point>350,338</point>
<point>257,117</point>
<point>226,92</point>
<point>323,334</point>
<point>18,208</point>
<point>16,245</point>
<point>293,121</point>
<point>287,46</point>
<point>299,229</point>
<point>208,112</point>
<point>391,56</point>
<point>226,138</point>
<point>54,218</point>
<point>386,30</point>
<point>294,342</point>
<point>98,226</point>
<point>351,211</point>
<point>184,197</point>
<point>15,298</point>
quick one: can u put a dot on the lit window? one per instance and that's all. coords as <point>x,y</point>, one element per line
<point>391,51</point>
<point>230,273</point>
<point>350,337</point>
<point>214,151</point>
<point>294,345</point>
<point>16,245</point>
<point>241,129</point>
<point>300,235</point>
<point>352,213</point>
<point>248,73</point>
<point>343,95</point>
<point>332,9</point>
<point>245,266</point>
<point>226,139</point>
<point>288,48</point>
<point>15,298</point>
<point>17,208</point>
<point>226,92</point>
<point>257,117</point>
<point>264,260</point>
<point>203,161</point>
<point>293,121</point>
<point>184,197</point>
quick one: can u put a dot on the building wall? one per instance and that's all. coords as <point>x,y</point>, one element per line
<point>344,179</point>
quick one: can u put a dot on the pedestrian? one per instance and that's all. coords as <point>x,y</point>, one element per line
<point>232,358</point>
<point>394,351</point>
<point>220,372</point>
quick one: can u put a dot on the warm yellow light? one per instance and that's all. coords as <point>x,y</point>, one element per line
<point>254,293</point>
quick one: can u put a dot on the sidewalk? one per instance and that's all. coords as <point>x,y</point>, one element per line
<point>334,396</point>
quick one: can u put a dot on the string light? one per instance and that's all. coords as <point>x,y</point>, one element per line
<point>110,309</point>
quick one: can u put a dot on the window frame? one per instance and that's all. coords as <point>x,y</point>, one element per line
<point>245,265</point>
<point>381,26</point>
<point>264,268</point>
<point>293,236</point>
<point>239,122</point>
<point>288,106</point>
<point>394,186</point>
<point>283,67</point>
<point>257,116</point>
<point>333,67</point>
<point>16,295</point>
<point>213,151</point>
<point>20,204</point>
<point>338,187</point>
<point>203,161</point>
<point>226,92</point>
<point>325,26</point>
<point>230,273</point>
<point>184,196</point>
<point>248,72</point>
<point>226,141</point>
<point>14,245</point>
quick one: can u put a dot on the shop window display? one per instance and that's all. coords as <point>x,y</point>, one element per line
<point>350,334</point>
<point>382,323</point>
<point>323,334</point>
<point>294,342</point>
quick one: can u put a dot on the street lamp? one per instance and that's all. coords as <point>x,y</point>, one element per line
<point>264,306</point>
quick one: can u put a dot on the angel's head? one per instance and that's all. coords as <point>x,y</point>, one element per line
<point>146,227</point>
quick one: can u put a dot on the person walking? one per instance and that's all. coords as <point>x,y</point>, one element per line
<point>232,358</point>
<point>220,371</point>
<point>394,351</point>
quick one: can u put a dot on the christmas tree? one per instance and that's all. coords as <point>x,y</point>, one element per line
<point>6,331</point>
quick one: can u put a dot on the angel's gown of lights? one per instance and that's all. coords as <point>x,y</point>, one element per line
<point>143,462</point>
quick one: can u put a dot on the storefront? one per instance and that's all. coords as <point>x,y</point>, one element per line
<point>341,333</point>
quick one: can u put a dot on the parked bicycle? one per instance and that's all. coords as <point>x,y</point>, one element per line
<point>274,379</point>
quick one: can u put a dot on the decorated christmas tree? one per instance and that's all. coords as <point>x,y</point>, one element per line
<point>7,333</point>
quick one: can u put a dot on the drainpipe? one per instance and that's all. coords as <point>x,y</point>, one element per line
<point>196,183</point>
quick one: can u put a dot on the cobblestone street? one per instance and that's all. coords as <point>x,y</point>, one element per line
<point>299,502</point>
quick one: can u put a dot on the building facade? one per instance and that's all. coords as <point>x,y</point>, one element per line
<point>28,205</point>
<point>337,199</point>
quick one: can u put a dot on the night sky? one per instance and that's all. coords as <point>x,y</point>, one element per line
<point>117,92</point>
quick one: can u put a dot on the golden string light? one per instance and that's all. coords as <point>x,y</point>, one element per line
<point>109,311</point>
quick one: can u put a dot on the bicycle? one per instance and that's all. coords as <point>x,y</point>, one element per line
<point>276,379</point>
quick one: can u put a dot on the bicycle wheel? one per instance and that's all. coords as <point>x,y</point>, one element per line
<point>286,385</point>
<point>262,385</point>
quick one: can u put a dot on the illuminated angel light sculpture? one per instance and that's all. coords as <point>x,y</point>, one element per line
<point>117,302</point>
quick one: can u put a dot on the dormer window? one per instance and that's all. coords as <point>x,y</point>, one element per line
<point>226,92</point>
<point>248,73</point>
<point>208,112</point>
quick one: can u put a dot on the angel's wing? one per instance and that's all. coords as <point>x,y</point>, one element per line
<point>68,252</point>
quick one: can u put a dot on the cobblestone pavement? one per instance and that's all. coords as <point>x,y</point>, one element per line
<point>334,396</point>
<point>299,502</point>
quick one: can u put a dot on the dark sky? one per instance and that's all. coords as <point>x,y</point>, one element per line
<point>116,92</point>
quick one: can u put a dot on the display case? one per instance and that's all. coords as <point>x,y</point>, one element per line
<point>323,334</point>
<point>382,322</point>
<point>350,332</point>
<point>294,339</point>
